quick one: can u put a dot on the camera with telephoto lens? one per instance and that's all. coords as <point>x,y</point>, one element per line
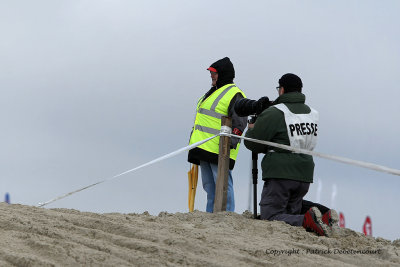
<point>245,107</point>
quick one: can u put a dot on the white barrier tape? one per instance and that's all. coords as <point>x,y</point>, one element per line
<point>359,163</point>
<point>367,165</point>
<point>172,154</point>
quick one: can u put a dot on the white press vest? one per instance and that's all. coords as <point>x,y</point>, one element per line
<point>301,128</point>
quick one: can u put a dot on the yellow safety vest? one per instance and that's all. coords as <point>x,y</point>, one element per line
<point>208,118</point>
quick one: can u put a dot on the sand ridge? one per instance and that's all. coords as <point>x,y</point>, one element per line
<point>32,236</point>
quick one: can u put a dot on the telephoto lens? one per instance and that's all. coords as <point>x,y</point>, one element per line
<point>246,107</point>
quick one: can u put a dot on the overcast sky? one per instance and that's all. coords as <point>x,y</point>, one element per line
<point>91,89</point>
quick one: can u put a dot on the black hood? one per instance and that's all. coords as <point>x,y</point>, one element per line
<point>226,72</point>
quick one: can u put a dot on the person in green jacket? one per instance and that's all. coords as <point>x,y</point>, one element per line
<point>287,175</point>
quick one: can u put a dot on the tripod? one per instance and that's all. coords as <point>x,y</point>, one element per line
<point>254,171</point>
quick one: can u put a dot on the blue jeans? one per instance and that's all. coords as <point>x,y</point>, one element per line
<point>209,177</point>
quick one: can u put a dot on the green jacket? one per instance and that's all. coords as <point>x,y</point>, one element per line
<point>270,126</point>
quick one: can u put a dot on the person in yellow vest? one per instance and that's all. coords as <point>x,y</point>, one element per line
<point>217,102</point>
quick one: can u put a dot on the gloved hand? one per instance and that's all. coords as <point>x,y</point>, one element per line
<point>262,103</point>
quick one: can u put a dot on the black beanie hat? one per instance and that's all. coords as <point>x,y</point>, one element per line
<point>291,82</point>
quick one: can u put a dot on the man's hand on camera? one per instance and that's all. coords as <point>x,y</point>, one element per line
<point>262,103</point>
<point>250,125</point>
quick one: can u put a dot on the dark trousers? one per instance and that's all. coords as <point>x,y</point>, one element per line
<point>281,200</point>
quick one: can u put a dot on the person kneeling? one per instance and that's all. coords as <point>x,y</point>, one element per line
<point>287,175</point>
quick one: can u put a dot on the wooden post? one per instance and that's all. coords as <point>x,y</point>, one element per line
<point>221,187</point>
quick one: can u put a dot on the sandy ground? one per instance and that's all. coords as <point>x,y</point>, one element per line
<point>33,236</point>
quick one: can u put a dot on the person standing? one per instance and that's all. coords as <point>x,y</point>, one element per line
<point>217,102</point>
<point>287,175</point>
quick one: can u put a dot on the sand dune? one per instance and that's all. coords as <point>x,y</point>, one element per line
<point>33,236</point>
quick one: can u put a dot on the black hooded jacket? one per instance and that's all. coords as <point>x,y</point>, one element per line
<point>226,74</point>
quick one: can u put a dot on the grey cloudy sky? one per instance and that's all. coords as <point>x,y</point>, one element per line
<point>93,88</point>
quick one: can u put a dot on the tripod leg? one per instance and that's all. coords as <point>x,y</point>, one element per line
<point>254,157</point>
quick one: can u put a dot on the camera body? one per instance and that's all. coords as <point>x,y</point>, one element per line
<point>252,119</point>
